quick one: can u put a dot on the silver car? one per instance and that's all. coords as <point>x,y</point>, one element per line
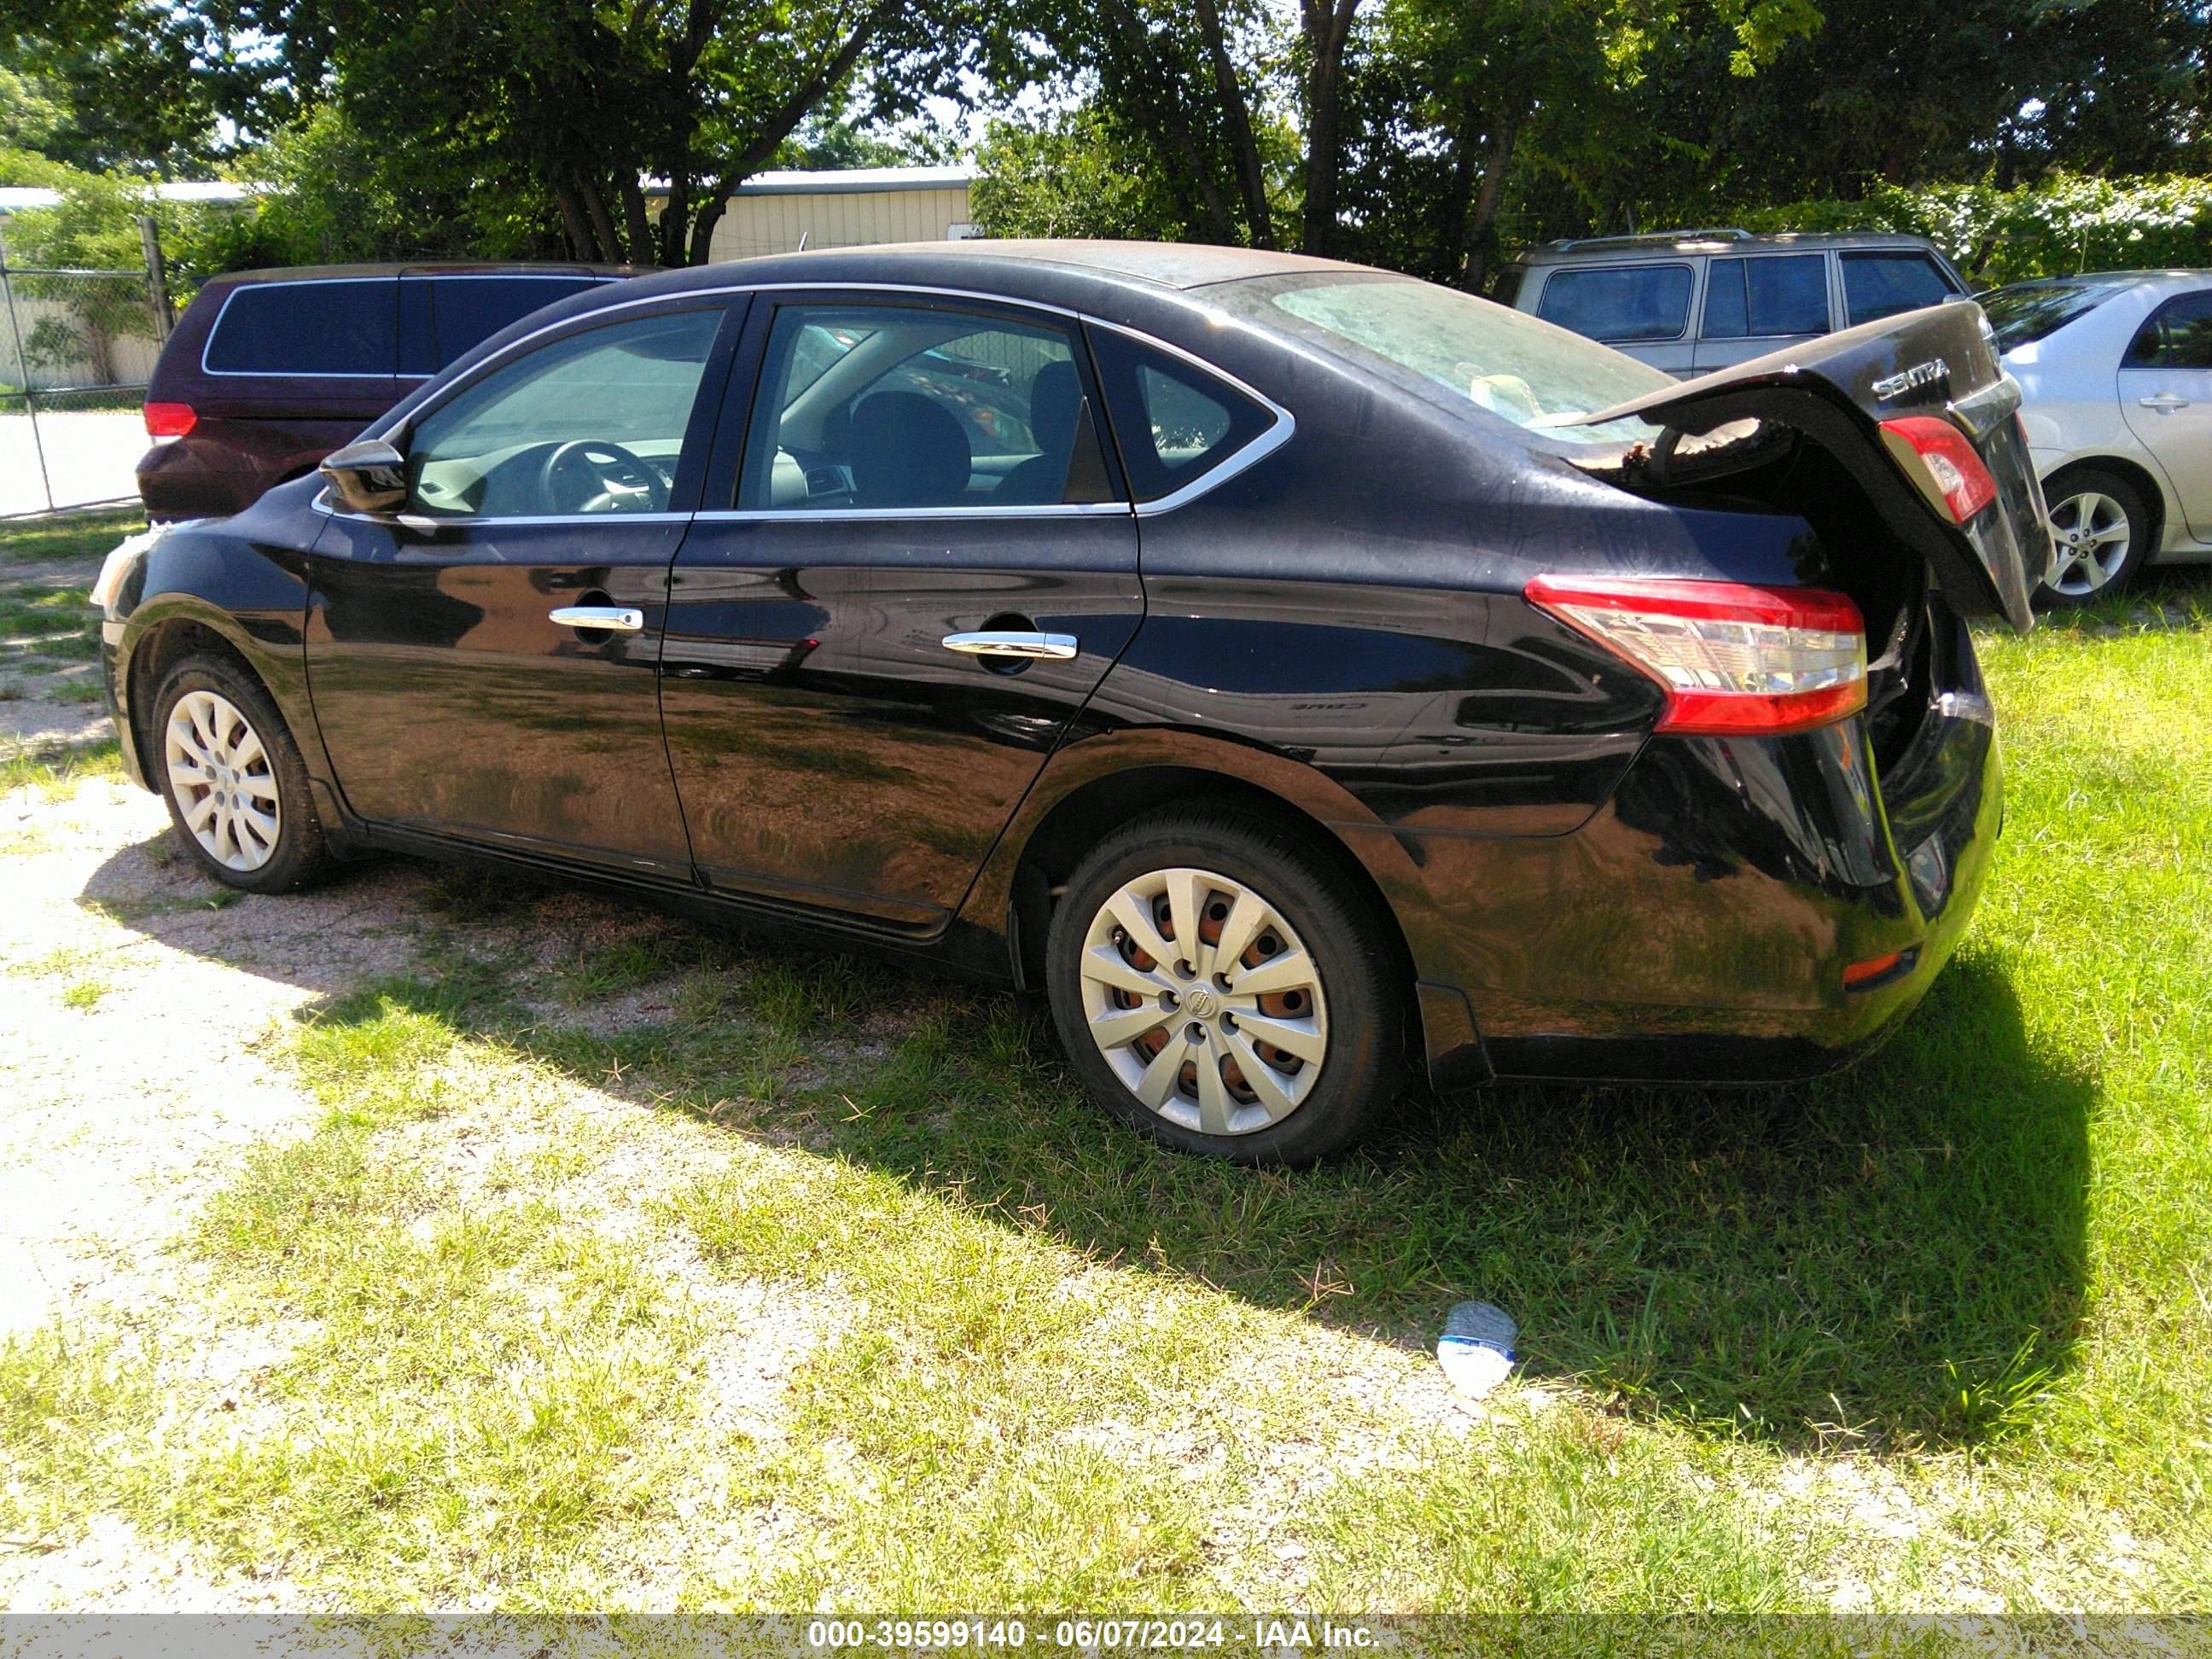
<point>2116,370</point>
<point>1690,302</point>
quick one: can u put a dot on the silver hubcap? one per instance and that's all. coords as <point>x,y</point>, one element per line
<point>222,780</point>
<point>1204,1001</point>
<point>2089,534</point>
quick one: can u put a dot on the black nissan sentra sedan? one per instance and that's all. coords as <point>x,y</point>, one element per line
<point>1298,672</point>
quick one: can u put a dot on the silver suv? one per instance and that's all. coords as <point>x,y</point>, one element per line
<point>1690,302</point>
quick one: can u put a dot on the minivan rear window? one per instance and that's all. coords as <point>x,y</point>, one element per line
<point>343,326</point>
<point>1619,302</point>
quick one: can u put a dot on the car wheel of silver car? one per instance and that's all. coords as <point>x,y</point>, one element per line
<point>1219,985</point>
<point>234,780</point>
<point>2098,529</point>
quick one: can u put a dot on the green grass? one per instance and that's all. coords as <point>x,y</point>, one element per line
<point>53,771</point>
<point>58,536</point>
<point>1939,1328</point>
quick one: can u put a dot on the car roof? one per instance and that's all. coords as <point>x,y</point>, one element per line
<point>2174,275</point>
<point>1665,242</point>
<point>1015,266</point>
<point>429,268</point>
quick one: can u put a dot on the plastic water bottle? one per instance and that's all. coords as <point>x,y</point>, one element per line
<point>1476,1349</point>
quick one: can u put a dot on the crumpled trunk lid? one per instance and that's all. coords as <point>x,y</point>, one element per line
<point>1839,390</point>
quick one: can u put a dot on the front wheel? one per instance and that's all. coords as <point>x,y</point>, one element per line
<point>1219,986</point>
<point>234,780</point>
<point>2099,534</point>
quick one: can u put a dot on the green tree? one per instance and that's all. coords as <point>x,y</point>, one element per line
<point>1070,174</point>
<point>120,85</point>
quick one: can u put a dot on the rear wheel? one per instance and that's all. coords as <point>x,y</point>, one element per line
<point>234,780</point>
<point>1216,984</point>
<point>2100,532</point>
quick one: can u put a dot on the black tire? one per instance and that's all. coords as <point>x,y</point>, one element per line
<point>2079,582</point>
<point>299,857</point>
<point>1357,986</point>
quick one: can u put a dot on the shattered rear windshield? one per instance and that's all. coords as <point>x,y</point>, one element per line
<point>1541,378</point>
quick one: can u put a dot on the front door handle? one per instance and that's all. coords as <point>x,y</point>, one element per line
<point>2164,400</point>
<point>611,618</point>
<point>1059,647</point>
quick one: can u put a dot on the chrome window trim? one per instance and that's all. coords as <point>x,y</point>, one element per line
<point>329,509</point>
<point>214,331</point>
<point>1283,428</point>
<point>979,510</point>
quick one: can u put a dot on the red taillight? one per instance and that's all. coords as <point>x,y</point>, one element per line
<point>169,420</point>
<point>1731,658</point>
<point>1941,462</point>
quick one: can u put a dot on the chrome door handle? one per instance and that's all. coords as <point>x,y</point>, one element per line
<point>1058,646</point>
<point>612,618</point>
<point>2164,400</point>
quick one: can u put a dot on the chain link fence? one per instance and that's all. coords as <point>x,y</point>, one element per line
<point>76,349</point>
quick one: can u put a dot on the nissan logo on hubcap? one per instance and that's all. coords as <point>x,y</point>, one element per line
<point>1200,1003</point>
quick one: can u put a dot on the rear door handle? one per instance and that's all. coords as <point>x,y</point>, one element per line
<point>612,618</point>
<point>1060,647</point>
<point>2164,400</point>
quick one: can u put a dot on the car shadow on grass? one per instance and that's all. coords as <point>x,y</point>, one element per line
<point>1888,1259</point>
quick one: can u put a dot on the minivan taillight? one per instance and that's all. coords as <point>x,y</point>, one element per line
<point>1937,457</point>
<point>1732,658</point>
<point>169,420</point>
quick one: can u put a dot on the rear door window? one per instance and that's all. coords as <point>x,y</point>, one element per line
<point>1884,284</point>
<point>1620,302</point>
<point>1787,293</point>
<point>347,326</point>
<point>2178,336</point>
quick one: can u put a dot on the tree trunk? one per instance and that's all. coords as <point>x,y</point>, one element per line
<point>602,223</point>
<point>1251,181</point>
<point>1327,26</point>
<point>580,244</point>
<point>1481,227</point>
<point>640,227</point>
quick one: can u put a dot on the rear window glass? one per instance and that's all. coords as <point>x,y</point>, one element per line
<point>1786,295</point>
<point>2026,313</point>
<point>1624,302</point>
<point>1419,334</point>
<point>2178,336</point>
<point>326,328</point>
<point>1884,284</point>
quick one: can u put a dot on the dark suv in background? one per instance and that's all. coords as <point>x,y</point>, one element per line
<point>269,371</point>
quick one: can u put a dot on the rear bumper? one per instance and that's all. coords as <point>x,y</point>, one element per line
<point>1697,929</point>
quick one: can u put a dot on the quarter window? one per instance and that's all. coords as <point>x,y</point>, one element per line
<point>346,327</point>
<point>1619,303</point>
<point>2178,336</point>
<point>1884,284</point>
<point>595,421</point>
<point>1786,295</point>
<point>916,406</point>
<point>1174,422</point>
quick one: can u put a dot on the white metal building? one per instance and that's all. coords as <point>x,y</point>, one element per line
<point>777,212</point>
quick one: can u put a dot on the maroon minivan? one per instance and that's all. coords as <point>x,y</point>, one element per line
<point>269,371</point>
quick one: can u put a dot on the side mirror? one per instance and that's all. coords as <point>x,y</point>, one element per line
<point>368,477</point>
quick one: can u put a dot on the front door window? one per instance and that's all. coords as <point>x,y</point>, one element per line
<point>592,423</point>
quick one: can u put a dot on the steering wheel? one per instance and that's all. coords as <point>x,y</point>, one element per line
<point>593,475</point>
